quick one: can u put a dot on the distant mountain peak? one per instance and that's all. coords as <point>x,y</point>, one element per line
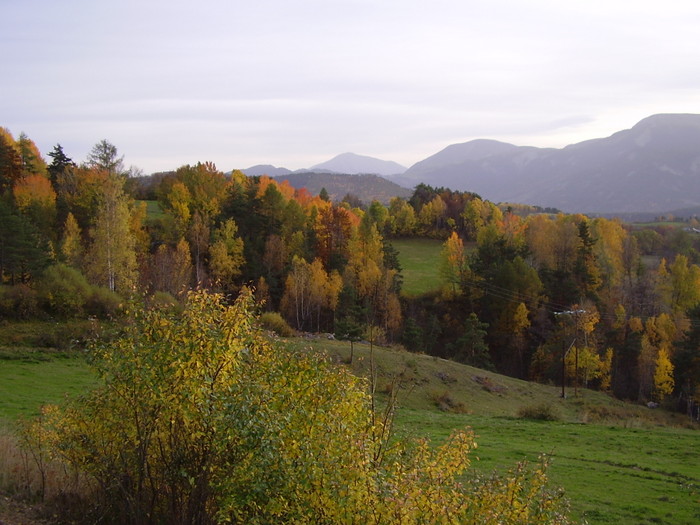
<point>354,164</point>
<point>265,169</point>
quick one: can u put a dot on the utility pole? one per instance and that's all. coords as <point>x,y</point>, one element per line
<point>564,353</point>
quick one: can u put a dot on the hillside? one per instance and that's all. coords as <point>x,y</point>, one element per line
<point>652,167</point>
<point>365,187</point>
<point>428,383</point>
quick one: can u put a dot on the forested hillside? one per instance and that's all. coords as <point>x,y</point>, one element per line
<point>339,186</point>
<point>522,290</point>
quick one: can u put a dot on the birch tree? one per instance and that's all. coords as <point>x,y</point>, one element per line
<point>111,260</point>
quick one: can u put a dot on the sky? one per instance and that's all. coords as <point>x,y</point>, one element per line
<point>293,83</point>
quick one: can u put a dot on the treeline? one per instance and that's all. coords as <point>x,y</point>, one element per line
<point>523,291</point>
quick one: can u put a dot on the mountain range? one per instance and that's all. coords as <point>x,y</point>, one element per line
<point>654,167</point>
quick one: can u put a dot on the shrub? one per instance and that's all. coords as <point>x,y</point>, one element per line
<point>103,302</point>
<point>541,412</point>
<point>275,323</point>
<point>445,402</point>
<point>200,420</point>
<point>67,335</point>
<point>18,302</point>
<point>65,290</point>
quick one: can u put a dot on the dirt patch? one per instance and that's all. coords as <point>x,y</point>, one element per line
<point>489,385</point>
<point>15,512</point>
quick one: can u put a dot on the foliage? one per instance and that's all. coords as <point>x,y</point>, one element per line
<point>226,254</point>
<point>170,269</point>
<point>200,420</point>
<point>471,348</point>
<point>112,254</point>
<point>23,251</point>
<point>71,247</point>
<point>18,302</point>
<point>274,322</point>
<point>309,291</point>
<point>65,290</point>
<point>104,303</point>
<point>454,265</point>
<point>66,293</point>
<point>663,375</point>
<point>105,157</point>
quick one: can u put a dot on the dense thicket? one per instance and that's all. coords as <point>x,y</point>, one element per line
<point>551,297</point>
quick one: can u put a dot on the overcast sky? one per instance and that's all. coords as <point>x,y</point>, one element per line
<point>295,82</point>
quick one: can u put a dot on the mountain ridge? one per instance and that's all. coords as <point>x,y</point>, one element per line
<point>653,166</point>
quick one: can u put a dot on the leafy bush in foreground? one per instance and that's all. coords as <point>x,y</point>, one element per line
<point>200,420</point>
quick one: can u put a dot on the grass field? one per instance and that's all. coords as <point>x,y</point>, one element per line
<point>618,463</point>
<point>38,364</point>
<point>611,474</point>
<point>420,263</point>
<point>153,210</point>
<point>28,382</point>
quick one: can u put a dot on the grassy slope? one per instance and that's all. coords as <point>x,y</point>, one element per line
<point>618,463</point>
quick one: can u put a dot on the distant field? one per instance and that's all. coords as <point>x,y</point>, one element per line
<point>656,224</point>
<point>420,261</point>
<point>153,210</point>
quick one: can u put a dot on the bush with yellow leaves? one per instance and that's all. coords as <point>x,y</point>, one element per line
<point>200,419</point>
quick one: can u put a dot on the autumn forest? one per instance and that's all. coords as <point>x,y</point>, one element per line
<point>522,291</point>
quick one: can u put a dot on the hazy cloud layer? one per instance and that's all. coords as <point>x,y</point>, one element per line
<point>295,83</point>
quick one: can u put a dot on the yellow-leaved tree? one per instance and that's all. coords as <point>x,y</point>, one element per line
<point>663,375</point>
<point>454,266</point>
<point>226,255</point>
<point>200,420</point>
